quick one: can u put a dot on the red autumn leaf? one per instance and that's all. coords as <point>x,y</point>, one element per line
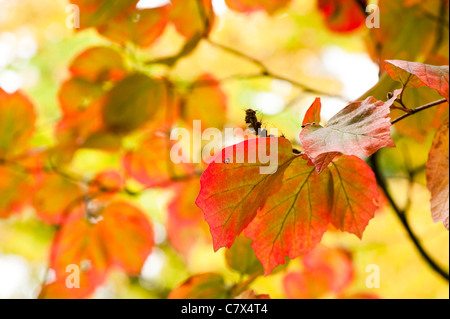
<point>150,164</point>
<point>312,116</point>
<point>326,270</point>
<point>359,296</point>
<point>343,15</point>
<point>336,261</point>
<point>190,17</point>
<point>202,286</point>
<point>142,27</point>
<point>58,289</point>
<point>207,103</point>
<point>94,13</point>
<point>356,196</point>
<point>233,187</point>
<point>118,235</point>
<point>294,219</point>
<point>17,119</point>
<point>13,184</point>
<point>106,182</point>
<point>270,6</point>
<point>98,64</point>
<point>435,77</point>
<point>128,236</point>
<point>76,128</point>
<point>250,294</point>
<point>185,223</point>
<point>53,209</point>
<point>437,172</point>
<point>306,285</point>
<point>133,102</point>
<point>362,128</point>
<point>78,243</point>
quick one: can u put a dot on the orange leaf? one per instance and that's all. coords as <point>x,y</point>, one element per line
<point>150,164</point>
<point>17,119</point>
<point>233,190</point>
<point>203,286</point>
<point>185,223</point>
<point>127,235</point>
<point>55,197</point>
<point>99,64</point>
<point>437,175</point>
<point>356,196</point>
<point>13,185</point>
<point>270,6</point>
<point>207,103</point>
<point>294,219</point>
<point>142,27</point>
<point>191,16</point>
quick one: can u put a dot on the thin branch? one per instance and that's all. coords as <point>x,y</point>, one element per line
<point>401,214</point>
<point>265,72</point>
<point>419,109</point>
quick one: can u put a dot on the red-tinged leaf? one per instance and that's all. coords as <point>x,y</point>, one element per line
<point>99,64</point>
<point>359,296</point>
<point>185,223</point>
<point>336,261</point>
<point>437,172</point>
<point>76,128</point>
<point>203,286</point>
<point>307,284</point>
<point>94,13</point>
<point>105,186</point>
<point>132,102</point>
<point>17,119</point>
<point>343,15</point>
<point>312,116</point>
<point>250,294</point>
<point>207,103</point>
<point>79,243</point>
<point>241,257</point>
<point>150,164</point>
<point>13,185</point>
<point>394,40</point>
<point>95,239</point>
<point>191,16</point>
<point>236,184</point>
<point>59,290</point>
<point>435,77</point>
<point>76,94</point>
<point>325,271</point>
<point>53,209</point>
<point>362,128</point>
<point>127,235</point>
<point>142,27</point>
<point>294,219</point>
<point>356,196</point>
<point>270,6</point>
<point>106,182</point>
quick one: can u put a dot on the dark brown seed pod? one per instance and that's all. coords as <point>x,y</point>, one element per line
<point>252,120</point>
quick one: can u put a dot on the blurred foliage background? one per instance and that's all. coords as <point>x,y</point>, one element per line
<point>36,49</point>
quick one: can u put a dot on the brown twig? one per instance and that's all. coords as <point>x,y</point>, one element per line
<point>419,109</point>
<point>401,214</point>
